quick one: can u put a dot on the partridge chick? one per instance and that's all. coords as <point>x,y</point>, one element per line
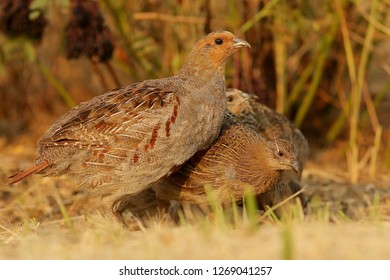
<point>238,161</point>
<point>271,125</point>
<point>119,143</point>
<point>268,122</point>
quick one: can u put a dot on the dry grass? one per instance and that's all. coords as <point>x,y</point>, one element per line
<point>45,218</point>
<point>96,238</point>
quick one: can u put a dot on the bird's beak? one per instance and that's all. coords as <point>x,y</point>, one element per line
<point>240,43</point>
<point>295,166</point>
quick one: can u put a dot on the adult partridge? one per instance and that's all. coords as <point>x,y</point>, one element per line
<point>240,160</point>
<point>121,142</point>
<point>271,124</point>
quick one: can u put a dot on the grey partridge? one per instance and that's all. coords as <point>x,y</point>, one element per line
<point>240,160</point>
<point>119,143</point>
<point>271,125</point>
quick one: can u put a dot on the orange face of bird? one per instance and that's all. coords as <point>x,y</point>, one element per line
<point>218,46</point>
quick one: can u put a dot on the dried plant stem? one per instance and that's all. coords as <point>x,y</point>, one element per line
<point>370,108</point>
<point>62,207</point>
<point>298,86</point>
<point>335,129</point>
<point>377,128</point>
<point>348,50</point>
<point>118,20</point>
<point>374,22</point>
<point>271,210</point>
<point>168,18</point>
<point>113,74</point>
<point>377,100</point>
<point>280,65</point>
<point>57,85</point>
<point>209,17</point>
<point>317,75</point>
<point>363,162</point>
<point>347,42</point>
<point>375,151</point>
<point>356,96</point>
<point>387,154</point>
<point>258,16</point>
<point>337,126</point>
<point>102,80</point>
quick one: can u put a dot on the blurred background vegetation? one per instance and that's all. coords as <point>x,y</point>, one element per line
<point>325,64</point>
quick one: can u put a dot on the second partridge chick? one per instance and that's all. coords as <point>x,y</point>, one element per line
<point>239,160</point>
<point>271,125</point>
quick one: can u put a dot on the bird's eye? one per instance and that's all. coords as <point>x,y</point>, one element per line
<point>230,98</point>
<point>219,41</point>
<point>280,153</point>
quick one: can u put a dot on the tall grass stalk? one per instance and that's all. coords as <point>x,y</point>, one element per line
<point>57,85</point>
<point>31,225</point>
<point>378,129</point>
<point>120,19</point>
<point>299,85</point>
<point>387,153</point>
<point>317,75</point>
<point>216,207</point>
<point>270,212</point>
<point>348,50</point>
<point>251,208</point>
<point>264,12</point>
<point>338,125</point>
<point>356,96</point>
<point>288,242</point>
<point>64,212</point>
<point>280,65</point>
<point>375,151</point>
<point>379,96</point>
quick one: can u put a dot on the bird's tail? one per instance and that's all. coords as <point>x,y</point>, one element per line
<point>27,172</point>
